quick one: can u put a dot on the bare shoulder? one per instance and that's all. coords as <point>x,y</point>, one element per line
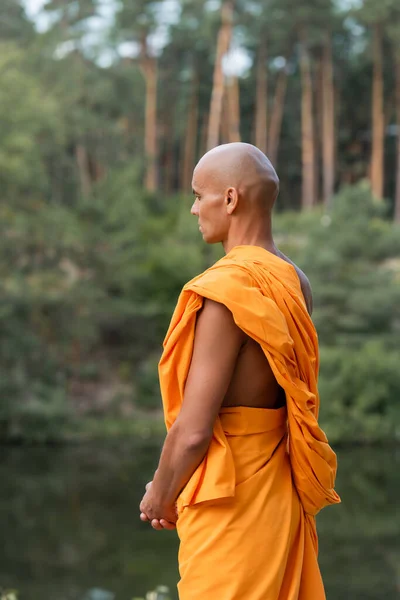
<point>304,283</point>
<point>215,321</point>
<point>305,288</point>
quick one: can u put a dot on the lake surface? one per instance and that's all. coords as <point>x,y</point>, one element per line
<point>69,525</point>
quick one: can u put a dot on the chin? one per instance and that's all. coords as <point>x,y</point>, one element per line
<point>211,240</point>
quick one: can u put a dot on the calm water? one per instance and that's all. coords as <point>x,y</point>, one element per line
<point>69,524</point>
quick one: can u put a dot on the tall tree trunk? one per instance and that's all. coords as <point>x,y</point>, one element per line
<point>149,69</point>
<point>261,112</point>
<point>275,124</point>
<point>378,122</point>
<point>99,170</point>
<point>328,123</point>
<point>225,118</point>
<point>204,134</point>
<point>397,198</point>
<point>318,120</point>
<point>169,160</point>
<point>82,161</point>
<point>307,129</point>
<point>233,97</point>
<point>189,151</point>
<point>223,43</point>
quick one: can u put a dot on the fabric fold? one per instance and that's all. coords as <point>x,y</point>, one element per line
<point>264,296</point>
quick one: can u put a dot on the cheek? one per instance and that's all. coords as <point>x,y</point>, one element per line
<point>211,212</point>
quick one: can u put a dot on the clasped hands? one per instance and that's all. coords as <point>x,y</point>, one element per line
<point>160,517</point>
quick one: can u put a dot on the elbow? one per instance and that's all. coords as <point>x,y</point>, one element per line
<point>197,442</point>
<point>194,441</point>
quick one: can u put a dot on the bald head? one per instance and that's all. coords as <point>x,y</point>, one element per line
<point>243,167</point>
<point>235,187</point>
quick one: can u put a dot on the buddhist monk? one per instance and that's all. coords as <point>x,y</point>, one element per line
<point>245,466</point>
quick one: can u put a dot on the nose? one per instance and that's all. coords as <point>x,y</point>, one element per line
<point>194,210</point>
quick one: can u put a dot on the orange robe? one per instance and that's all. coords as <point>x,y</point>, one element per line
<point>247,515</point>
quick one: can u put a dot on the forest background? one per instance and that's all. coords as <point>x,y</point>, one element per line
<point>105,107</point>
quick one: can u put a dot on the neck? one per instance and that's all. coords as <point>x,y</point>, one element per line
<point>251,238</point>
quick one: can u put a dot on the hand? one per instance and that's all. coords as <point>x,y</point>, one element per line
<point>150,512</point>
<point>155,523</point>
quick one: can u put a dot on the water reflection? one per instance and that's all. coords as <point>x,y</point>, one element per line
<point>69,524</point>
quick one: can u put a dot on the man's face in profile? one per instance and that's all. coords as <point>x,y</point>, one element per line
<point>209,207</point>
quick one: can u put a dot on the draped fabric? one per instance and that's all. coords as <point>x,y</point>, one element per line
<point>264,295</point>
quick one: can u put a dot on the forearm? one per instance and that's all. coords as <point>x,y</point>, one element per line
<point>181,454</point>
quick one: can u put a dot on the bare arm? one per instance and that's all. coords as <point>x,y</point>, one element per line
<point>216,346</point>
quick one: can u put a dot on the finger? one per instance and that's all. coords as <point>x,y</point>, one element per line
<point>156,525</point>
<point>144,517</point>
<point>167,525</point>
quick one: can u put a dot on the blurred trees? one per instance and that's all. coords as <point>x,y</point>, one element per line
<point>87,293</point>
<point>14,24</point>
<point>393,30</point>
<point>102,118</point>
<point>27,115</point>
<point>355,276</point>
<point>159,84</point>
<point>137,23</point>
<point>217,94</point>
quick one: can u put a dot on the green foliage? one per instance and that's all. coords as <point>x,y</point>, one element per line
<point>88,291</point>
<point>82,286</point>
<point>359,388</point>
<point>147,383</point>
<point>91,265</point>
<point>26,114</point>
<point>352,257</point>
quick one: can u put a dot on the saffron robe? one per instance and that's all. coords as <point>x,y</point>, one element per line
<point>247,515</point>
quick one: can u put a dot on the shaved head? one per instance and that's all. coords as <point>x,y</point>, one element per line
<point>235,187</point>
<point>243,167</point>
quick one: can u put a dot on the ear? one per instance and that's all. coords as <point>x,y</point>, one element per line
<point>231,200</point>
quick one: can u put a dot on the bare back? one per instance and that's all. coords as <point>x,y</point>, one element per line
<point>253,382</point>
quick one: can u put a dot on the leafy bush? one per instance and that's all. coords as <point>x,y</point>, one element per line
<point>95,284</point>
